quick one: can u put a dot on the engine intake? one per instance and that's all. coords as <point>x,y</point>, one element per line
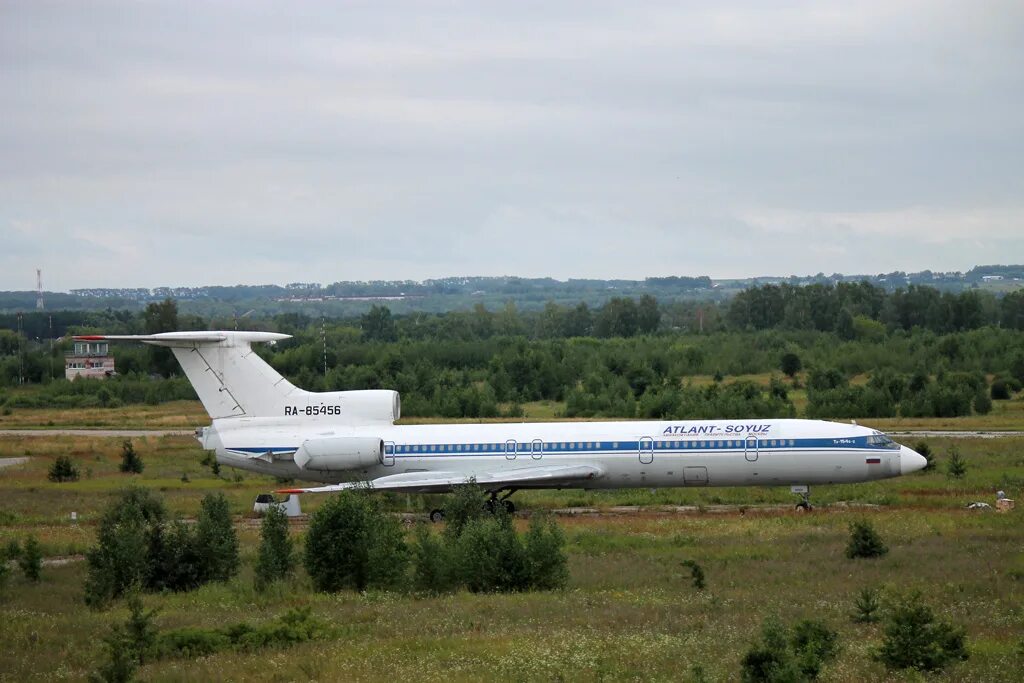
<point>338,454</point>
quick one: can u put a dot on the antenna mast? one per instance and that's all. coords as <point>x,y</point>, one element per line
<point>39,289</point>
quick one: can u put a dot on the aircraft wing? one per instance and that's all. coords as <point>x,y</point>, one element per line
<point>542,476</point>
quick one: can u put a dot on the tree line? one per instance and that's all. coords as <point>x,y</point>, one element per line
<point>625,359</point>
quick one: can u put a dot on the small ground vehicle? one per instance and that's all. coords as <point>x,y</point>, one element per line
<point>290,505</point>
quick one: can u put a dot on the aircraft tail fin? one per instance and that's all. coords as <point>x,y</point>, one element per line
<point>229,377</point>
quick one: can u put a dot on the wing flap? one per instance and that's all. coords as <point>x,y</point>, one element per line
<point>440,482</point>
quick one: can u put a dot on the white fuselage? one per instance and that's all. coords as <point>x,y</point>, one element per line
<point>741,452</point>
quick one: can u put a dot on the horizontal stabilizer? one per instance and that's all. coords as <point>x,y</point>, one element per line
<point>187,339</point>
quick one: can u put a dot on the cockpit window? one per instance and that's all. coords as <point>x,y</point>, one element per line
<point>882,441</point>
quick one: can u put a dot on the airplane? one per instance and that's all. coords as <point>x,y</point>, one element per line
<point>263,423</point>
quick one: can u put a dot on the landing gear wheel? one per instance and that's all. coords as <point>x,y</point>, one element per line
<point>803,506</point>
<point>805,498</point>
<point>437,516</point>
<point>510,508</point>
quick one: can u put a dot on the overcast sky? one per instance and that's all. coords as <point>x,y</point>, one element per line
<point>153,143</point>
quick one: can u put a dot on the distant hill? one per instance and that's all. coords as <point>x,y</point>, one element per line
<point>455,293</point>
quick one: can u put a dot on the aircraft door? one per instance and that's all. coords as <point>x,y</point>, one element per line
<point>510,449</point>
<point>750,448</point>
<point>387,457</point>
<point>537,449</point>
<point>646,448</point>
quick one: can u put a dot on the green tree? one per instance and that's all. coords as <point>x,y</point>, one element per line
<point>275,559</point>
<point>915,639</point>
<point>864,541</point>
<point>432,572</point>
<point>866,606</point>
<point>216,541</point>
<point>1017,366</point>
<point>489,556</point>
<point>378,325</point>
<point>120,558</point>
<point>31,559</point>
<point>956,467</point>
<point>789,656</point>
<point>130,461</point>
<point>982,403</point>
<point>162,317</point>
<point>546,561</point>
<point>352,544</point>
<point>63,469</point>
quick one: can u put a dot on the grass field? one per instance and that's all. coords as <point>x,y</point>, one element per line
<point>629,612</point>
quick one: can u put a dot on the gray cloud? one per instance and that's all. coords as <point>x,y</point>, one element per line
<point>160,143</point>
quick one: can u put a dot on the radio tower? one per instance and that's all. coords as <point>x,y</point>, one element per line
<point>39,289</point>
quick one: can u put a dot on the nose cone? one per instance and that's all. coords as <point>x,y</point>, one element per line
<point>911,461</point>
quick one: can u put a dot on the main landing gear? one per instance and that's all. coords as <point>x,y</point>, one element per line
<point>491,505</point>
<point>805,498</point>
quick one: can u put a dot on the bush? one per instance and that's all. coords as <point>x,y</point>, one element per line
<point>31,559</point>
<point>275,559</point>
<point>915,639</point>
<point>63,469</point>
<point>464,504</point>
<point>696,574</point>
<point>136,547</point>
<point>131,463</point>
<point>120,558</point>
<point>431,562</point>
<point>351,543</point>
<point>216,541</point>
<point>784,657</point>
<point>546,562</point>
<point>864,541</point>
<point>1000,390</point>
<point>982,403</point>
<point>128,644</point>
<point>866,606</point>
<point>814,644</point>
<point>489,556</point>
<point>956,467</point>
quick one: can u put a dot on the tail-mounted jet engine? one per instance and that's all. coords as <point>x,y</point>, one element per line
<point>338,454</point>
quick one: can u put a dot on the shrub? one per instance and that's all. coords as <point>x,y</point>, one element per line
<point>431,562</point>
<point>173,561</point>
<point>982,403</point>
<point>782,657</point>
<point>1000,390</point>
<point>790,364</point>
<point>297,625</point>
<point>128,644</point>
<point>864,541</point>
<point>956,467</point>
<point>915,639</point>
<point>696,574</point>
<point>489,556</point>
<point>131,463</point>
<point>31,559</point>
<point>63,469</point>
<point>352,544</point>
<point>546,562</point>
<point>275,558</point>
<point>464,504</point>
<point>866,606</point>
<point>216,541</point>
<point>120,558</point>
<point>814,644</point>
